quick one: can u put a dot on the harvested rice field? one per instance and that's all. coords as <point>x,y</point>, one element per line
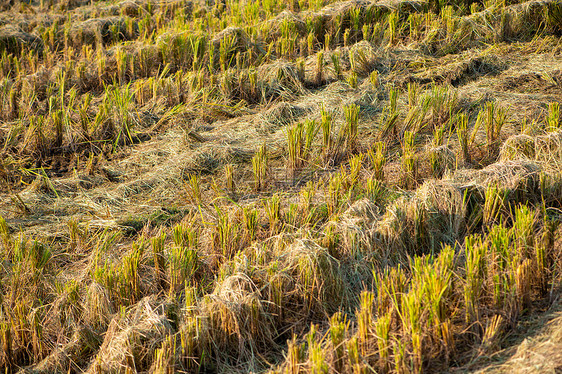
<point>280,186</point>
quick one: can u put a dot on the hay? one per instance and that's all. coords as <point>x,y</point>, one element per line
<point>364,56</point>
<point>275,25</point>
<point>316,274</point>
<point>41,185</point>
<point>512,21</point>
<point>129,8</point>
<point>235,37</point>
<point>343,9</point>
<point>281,114</point>
<point>357,228</point>
<point>540,352</point>
<point>518,147</point>
<point>368,98</point>
<point>97,30</point>
<point>459,72</point>
<point>444,159</point>
<point>281,79</point>
<point>446,210</point>
<point>361,213</point>
<point>207,161</point>
<point>513,175</point>
<point>235,319</point>
<point>68,355</point>
<point>528,17</point>
<point>130,340</point>
<point>435,215</point>
<point>391,229</point>
<point>409,6</point>
<point>438,212</point>
<point>548,150</point>
<point>338,14</point>
<point>13,40</point>
<point>97,306</point>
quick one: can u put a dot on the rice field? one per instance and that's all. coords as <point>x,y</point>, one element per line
<point>280,186</point>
